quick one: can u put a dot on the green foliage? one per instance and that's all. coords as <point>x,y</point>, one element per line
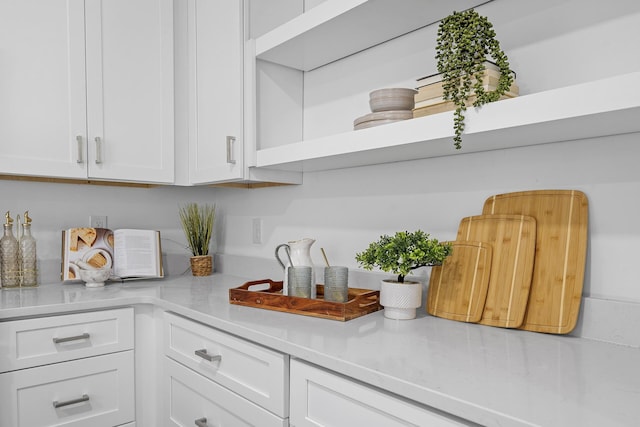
<point>465,41</point>
<point>403,252</point>
<point>197,224</point>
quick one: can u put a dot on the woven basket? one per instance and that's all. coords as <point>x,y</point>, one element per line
<point>201,265</point>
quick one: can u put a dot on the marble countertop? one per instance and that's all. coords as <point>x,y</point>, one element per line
<point>491,376</point>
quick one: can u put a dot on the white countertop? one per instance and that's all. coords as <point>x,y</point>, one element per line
<point>492,376</point>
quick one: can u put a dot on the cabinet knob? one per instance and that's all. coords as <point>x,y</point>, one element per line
<point>206,356</point>
<point>201,422</point>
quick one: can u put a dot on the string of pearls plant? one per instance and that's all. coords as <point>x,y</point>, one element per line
<point>465,41</point>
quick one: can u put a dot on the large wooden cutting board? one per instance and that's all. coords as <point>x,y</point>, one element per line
<point>513,239</point>
<point>561,250</point>
<point>458,287</point>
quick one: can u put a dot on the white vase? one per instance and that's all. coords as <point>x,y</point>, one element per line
<point>400,300</point>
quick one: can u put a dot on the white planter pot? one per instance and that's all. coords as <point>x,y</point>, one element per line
<point>400,300</point>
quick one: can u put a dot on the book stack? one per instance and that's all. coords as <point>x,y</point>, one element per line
<point>429,98</point>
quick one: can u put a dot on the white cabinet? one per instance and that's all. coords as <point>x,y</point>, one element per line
<point>87,89</point>
<point>44,340</point>
<point>97,391</point>
<point>68,370</point>
<point>256,373</point>
<point>43,92</point>
<point>194,399</point>
<point>215,56</point>
<point>220,149</point>
<point>322,398</point>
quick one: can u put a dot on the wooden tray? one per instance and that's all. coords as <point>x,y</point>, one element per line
<point>360,301</point>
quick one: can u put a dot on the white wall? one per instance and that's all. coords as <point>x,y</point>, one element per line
<point>346,209</point>
<point>55,207</point>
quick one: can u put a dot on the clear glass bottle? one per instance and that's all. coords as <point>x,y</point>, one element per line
<point>27,244</point>
<point>9,266</point>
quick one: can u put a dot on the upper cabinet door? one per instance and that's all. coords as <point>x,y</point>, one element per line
<point>42,88</point>
<point>215,44</point>
<point>130,90</point>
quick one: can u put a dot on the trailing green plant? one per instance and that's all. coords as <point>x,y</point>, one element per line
<point>197,224</point>
<point>465,41</point>
<point>403,252</point>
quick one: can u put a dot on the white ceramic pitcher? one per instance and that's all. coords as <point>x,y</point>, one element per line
<point>299,254</point>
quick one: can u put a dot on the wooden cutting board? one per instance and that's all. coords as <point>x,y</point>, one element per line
<point>512,239</point>
<point>458,288</point>
<point>561,250</point>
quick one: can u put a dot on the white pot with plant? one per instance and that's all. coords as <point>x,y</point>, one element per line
<point>401,254</point>
<point>197,224</point>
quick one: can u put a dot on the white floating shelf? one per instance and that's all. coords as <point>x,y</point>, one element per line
<point>600,108</point>
<point>338,28</point>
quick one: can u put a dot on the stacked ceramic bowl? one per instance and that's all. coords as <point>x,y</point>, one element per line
<point>387,106</point>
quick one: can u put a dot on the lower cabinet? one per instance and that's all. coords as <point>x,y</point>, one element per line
<point>96,391</point>
<point>68,370</point>
<point>195,400</point>
<point>213,378</point>
<point>322,398</point>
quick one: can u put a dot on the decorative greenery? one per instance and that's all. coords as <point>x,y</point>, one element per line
<point>197,224</point>
<point>403,252</point>
<point>465,40</point>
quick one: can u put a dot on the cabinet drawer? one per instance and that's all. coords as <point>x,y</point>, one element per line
<point>190,397</point>
<point>102,386</point>
<point>33,342</point>
<point>322,398</point>
<point>254,372</point>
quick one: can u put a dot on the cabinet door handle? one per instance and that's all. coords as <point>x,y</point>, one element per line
<point>84,398</point>
<point>80,158</point>
<point>201,422</point>
<point>98,150</point>
<point>206,356</point>
<point>230,141</point>
<point>84,336</point>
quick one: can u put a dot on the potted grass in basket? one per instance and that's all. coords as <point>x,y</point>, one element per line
<point>197,224</point>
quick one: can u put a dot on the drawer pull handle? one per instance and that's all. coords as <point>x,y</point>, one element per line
<point>80,157</point>
<point>206,356</point>
<point>98,150</point>
<point>84,398</point>
<point>202,422</point>
<point>230,141</point>
<point>84,336</point>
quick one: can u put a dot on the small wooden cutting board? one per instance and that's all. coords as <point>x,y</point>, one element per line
<point>458,287</point>
<point>512,239</point>
<point>561,250</point>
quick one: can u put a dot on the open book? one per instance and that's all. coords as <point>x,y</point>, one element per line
<point>129,253</point>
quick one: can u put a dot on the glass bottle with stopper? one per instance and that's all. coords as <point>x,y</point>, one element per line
<point>27,244</point>
<point>9,253</point>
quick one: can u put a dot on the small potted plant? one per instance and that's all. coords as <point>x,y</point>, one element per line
<point>465,42</point>
<point>401,254</point>
<point>197,224</point>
